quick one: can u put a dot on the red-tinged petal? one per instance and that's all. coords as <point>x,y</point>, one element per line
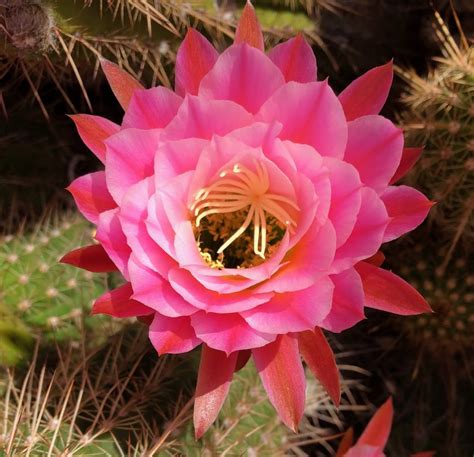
<point>122,84</point>
<point>214,378</point>
<point>248,30</point>
<point>386,291</point>
<point>377,259</point>
<point>424,454</point>
<point>94,130</point>
<point>407,209</point>
<point>345,443</point>
<point>195,57</point>
<point>91,195</point>
<point>320,359</point>
<point>368,93</point>
<point>295,59</point>
<point>409,158</point>
<point>281,371</point>
<point>242,359</point>
<point>117,303</point>
<point>172,335</point>
<point>378,429</point>
<point>91,258</point>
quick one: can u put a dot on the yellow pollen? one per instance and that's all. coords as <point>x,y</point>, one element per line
<point>242,189</point>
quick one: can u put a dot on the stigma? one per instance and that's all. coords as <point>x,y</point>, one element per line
<point>241,189</point>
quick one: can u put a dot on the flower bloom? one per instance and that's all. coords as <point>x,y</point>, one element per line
<point>246,210</point>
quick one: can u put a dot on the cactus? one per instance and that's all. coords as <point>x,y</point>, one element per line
<point>45,297</point>
<point>440,114</point>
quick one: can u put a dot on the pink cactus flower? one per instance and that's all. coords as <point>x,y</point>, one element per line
<point>373,440</point>
<point>245,211</point>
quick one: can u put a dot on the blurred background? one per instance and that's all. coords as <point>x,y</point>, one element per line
<point>75,385</point>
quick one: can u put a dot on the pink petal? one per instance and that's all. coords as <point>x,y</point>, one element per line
<point>365,451</point>
<point>122,84</point>
<point>94,130</point>
<point>153,290</point>
<point>195,57</point>
<point>151,108</point>
<point>228,332</point>
<point>310,114</point>
<point>215,375</point>
<point>345,197</point>
<point>248,30</point>
<point>378,429</point>
<point>374,147</point>
<point>348,302</point>
<point>91,258</point>
<point>243,75</point>
<point>295,59</point>
<point>377,259</point>
<point>133,215</point>
<point>91,195</point>
<point>117,303</point>
<point>386,291</point>
<point>172,335</point>
<point>345,443</point>
<point>294,311</point>
<point>407,209</point>
<point>281,371</point>
<point>199,296</point>
<point>111,237</point>
<point>409,158</point>
<point>367,235</point>
<point>368,93</point>
<point>320,359</point>
<point>130,158</point>
<point>201,118</point>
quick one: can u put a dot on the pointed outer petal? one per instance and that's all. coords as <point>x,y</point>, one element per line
<point>201,118</point>
<point>374,147</point>
<point>281,371</point>
<point>257,134</point>
<point>409,158</point>
<point>248,29</point>
<point>242,359</point>
<point>151,108</point>
<point>172,335</point>
<point>407,209</point>
<point>130,158</point>
<point>367,235</point>
<point>122,84</point>
<point>310,114</point>
<point>368,93</point>
<point>377,259</point>
<point>91,258</point>
<point>318,354</point>
<point>244,75</point>
<point>199,296</point>
<point>215,375</point>
<point>195,57</point>
<point>378,429</point>
<point>293,312</point>
<point>308,260</point>
<point>295,59</point>
<point>386,291</point>
<point>346,197</point>
<point>177,157</point>
<point>365,451</point>
<point>348,302</point>
<point>117,303</point>
<point>150,288</point>
<point>91,195</point>
<point>346,442</point>
<point>228,332</point>
<point>111,237</point>
<point>132,216</point>
<point>94,130</point>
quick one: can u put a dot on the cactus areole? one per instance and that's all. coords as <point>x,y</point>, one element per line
<point>244,211</point>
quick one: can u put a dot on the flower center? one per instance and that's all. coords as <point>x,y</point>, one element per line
<point>225,210</point>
